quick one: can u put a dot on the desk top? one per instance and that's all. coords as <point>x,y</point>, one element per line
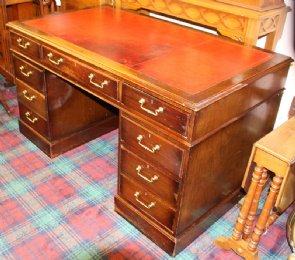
<point>175,58</point>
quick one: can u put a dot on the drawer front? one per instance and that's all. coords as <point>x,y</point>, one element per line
<point>151,147</point>
<point>147,176</point>
<point>146,202</point>
<point>96,81</point>
<point>155,109</point>
<point>29,74</point>
<point>33,120</point>
<point>25,46</point>
<point>31,98</point>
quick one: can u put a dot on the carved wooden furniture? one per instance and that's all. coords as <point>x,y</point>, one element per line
<point>275,153</point>
<point>230,19</point>
<point>179,108</point>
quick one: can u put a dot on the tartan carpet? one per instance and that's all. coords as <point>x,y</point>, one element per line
<point>63,208</point>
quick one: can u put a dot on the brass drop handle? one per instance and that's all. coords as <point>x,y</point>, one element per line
<point>21,44</point>
<point>26,74</point>
<point>151,180</point>
<point>99,85</point>
<point>152,150</point>
<point>55,62</point>
<point>154,113</point>
<point>150,205</point>
<point>30,98</point>
<point>32,120</point>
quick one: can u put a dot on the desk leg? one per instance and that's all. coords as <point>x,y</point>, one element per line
<point>265,213</point>
<point>252,32</point>
<point>273,37</point>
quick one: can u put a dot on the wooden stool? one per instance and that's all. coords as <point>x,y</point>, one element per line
<point>274,152</point>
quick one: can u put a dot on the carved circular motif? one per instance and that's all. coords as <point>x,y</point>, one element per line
<point>232,22</point>
<point>175,8</point>
<point>192,13</point>
<point>159,5</point>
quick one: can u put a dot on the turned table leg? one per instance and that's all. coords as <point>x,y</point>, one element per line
<point>254,206</point>
<point>236,237</point>
<point>239,228</point>
<point>265,213</point>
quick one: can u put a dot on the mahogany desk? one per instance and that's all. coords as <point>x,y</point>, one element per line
<point>189,107</point>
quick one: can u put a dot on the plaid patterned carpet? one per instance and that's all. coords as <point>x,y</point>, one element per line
<point>63,208</point>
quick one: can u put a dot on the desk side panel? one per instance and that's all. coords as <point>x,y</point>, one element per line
<point>218,163</point>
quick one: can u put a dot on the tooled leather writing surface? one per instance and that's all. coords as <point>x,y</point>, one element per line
<point>182,58</point>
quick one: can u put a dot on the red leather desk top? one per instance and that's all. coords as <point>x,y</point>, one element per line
<point>182,58</point>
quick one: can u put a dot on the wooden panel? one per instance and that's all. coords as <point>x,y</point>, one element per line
<point>79,4</point>
<point>221,175</point>
<point>72,110</point>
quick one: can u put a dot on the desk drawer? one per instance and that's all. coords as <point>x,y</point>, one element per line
<point>155,109</point>
<point>33,120</point>
<point>25,46</point>
<point>29,74</point>
<point>147,176</point>
<point>96,81</point>
<point>150,146</point>
<point>146,202</point>
<point>31,98</point>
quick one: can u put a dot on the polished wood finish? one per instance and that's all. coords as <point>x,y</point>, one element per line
<point>274,152</point>
<point>179,126</point>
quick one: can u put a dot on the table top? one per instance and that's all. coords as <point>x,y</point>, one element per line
<point>281,141</point>
<point>175,58</point>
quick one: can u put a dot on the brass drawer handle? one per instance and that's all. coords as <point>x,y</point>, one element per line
<point>151,180</point>
<point>31,98</point>
<point>150,205</point>
<point>101,85</point>
<point>152,150</point>
<point>57,62</point>
<point>154,113</point>
<point>32,120</point>
<point>20,43</point>
<point>26,74</point>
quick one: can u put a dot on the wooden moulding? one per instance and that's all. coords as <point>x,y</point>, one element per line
<point>260,5</point>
